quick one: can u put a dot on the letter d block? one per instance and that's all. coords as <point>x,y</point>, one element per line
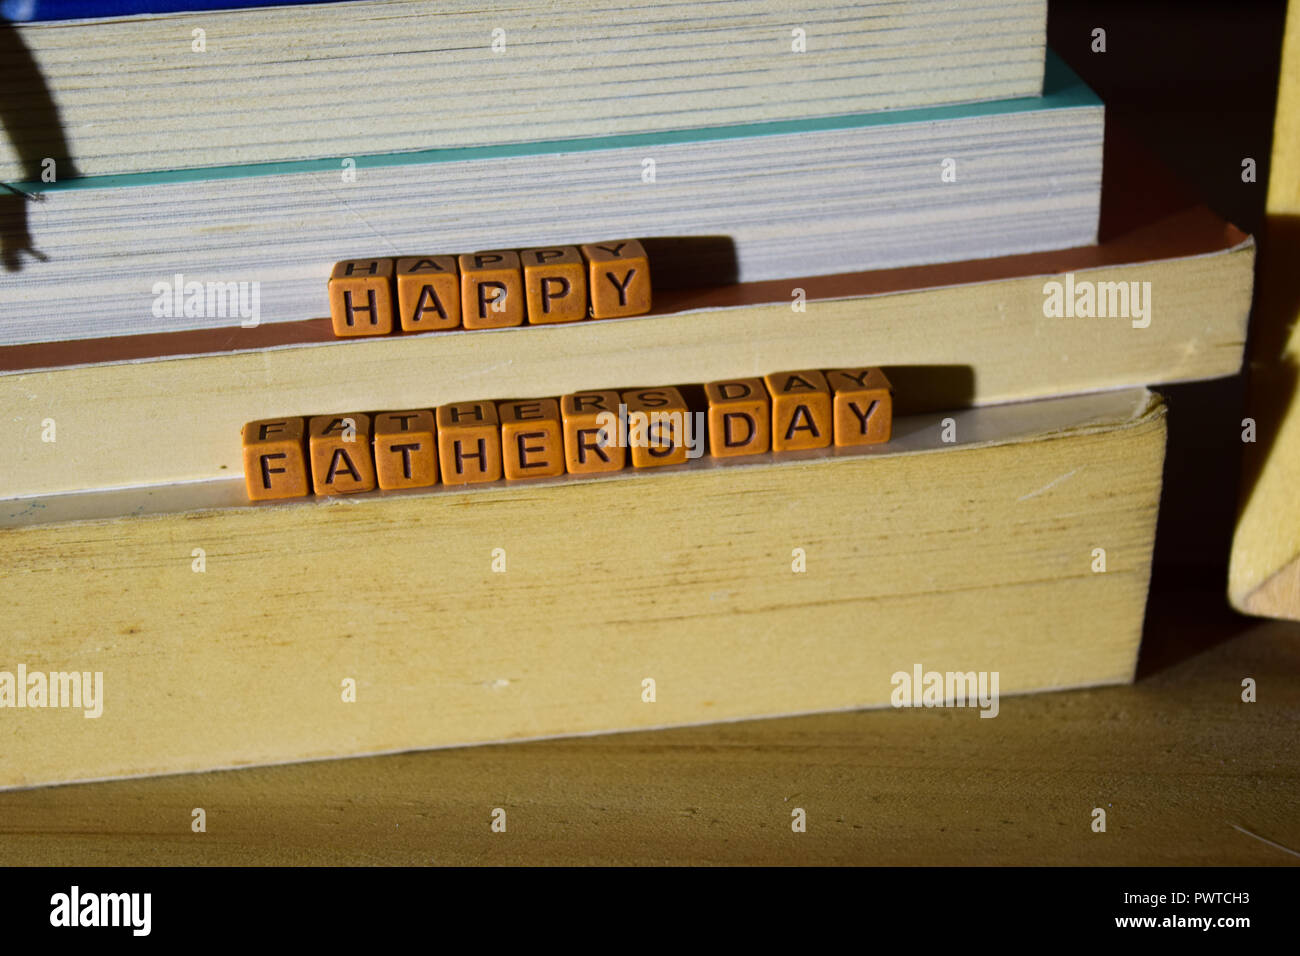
<point>801,410</point>
<point>428,293</point>
<point>361,297</point>
<point>405,453</point>
<point>275,460</point>
<point>864,405</point>
<point>591,433</point>
<point>618,274</point>
<point>656,426</point>
<point>491,290</point>
<point>740,420</point>
<point>532,442</point>
<point>341,461</point>
<point>555,284</point>
<point>469,443</point>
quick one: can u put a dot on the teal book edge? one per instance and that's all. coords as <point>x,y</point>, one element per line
<point>1062,89</point>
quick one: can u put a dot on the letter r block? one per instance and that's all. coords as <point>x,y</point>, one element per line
<point>275,459</point>
<point>555,284</point>
<point>740,420</point>
<point>491,290</point>
<point>657,419</point>
<point>864,405</point>
<point>428,293</point>
<point>532,441</point>
<point>406,455</point>
<point>361,297</point>
<point>618,274</point>
<point>801,410</point>
<point>341,459</point>
<point>591,433</point>
<point>469,443</point>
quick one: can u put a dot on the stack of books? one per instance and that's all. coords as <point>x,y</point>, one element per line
<point>817,185</point>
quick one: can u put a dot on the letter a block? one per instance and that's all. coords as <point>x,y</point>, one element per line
<point>275,459</point>
<point>428,293</point>
<point>405,453</point>
<point>532,442</point>
<point>555,284</point>
<point>361,297</point>
<point>341,461</point>
<point>590,448</point>
<point>469,443</point>
<point>801,410</point>
<point>619,276</point>
<point>491,290</point>
<point>656,426</point>
<point>864,406</point>
<point>740,421</point>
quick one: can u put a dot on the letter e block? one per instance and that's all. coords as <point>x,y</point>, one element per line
<point>275,459</point>
<point>864,405</point>
<point>406,455</point>
<point>361,297</point>
<point>801,410</point>
<point>532,441</point>
<point>491,290</point>
<point>591,433</point>
<point>656,423</point>
<point>428,293</point>
<point>555,284</point>
<point>469,443</point>
<point>618,274</point>
<point>740,420</point>
<point>341,462</point>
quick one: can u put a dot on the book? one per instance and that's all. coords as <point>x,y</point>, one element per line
<point>774,200</point>
<point>1264,568</point>
<point>214,87</point>
<point>951,335</point>
<point>216,633</point>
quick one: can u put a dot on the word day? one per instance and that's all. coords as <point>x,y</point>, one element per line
<point>583,433</point>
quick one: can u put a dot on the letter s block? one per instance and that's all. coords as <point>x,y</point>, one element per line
<point>275,459</point>
<point>864,405</point>
<point>341,460</point>
<point>491,290</point>
<point>656,427</point>
<point>555,284</point>
<point>361,297</point>
<point>618,274</point>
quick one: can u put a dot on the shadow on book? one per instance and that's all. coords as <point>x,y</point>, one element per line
<point>31,121</point>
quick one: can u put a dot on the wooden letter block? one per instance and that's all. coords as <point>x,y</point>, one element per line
<point>341,461</point>
<point>469,443</point>
<point>801,410</point>
<point>361,297</point>
<point>532,441</point>
<point>428,293</point>
<point>555,284</point>
<point>275,459</point>
<point>618,274</point>
<point>405,453</point>
<point>491,290</point>
<point>740,420</point>
<point>864,405</point>
<point>656,423</point>
<point>591,433</point>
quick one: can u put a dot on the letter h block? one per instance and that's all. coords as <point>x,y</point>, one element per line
<point>361,297</point>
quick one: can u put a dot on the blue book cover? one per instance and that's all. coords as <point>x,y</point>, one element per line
<point>28,11</point>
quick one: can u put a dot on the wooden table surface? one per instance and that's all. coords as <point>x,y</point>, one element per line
<point>1187,774</point>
